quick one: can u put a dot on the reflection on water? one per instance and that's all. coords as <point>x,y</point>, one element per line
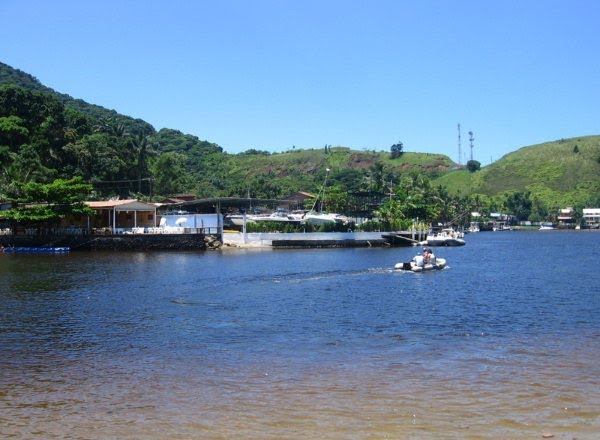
<point>328,344</point>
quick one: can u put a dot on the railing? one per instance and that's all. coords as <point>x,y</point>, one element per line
<point>109,231</point>
<point>167,230</point>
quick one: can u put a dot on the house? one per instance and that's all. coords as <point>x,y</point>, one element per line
<point>298,200</point>
<point>118,215</point>
<point>566,217</point>
<point>591,217</point>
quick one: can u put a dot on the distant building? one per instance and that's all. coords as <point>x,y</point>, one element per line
<point>566,217</point>
<point>591,217</point>
<point>297,200</point>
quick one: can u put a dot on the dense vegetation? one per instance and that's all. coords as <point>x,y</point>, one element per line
<point>45,136</point>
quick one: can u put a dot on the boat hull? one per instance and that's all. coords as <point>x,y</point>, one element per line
<point>440,263</point>
<point>445,242</point>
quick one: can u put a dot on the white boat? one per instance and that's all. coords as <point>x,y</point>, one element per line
<point>546,227</point>
<point>322,218</point>
<point>416,265</point>
<point>235,219</point>
<point>319,218</point>
<point>445,237</point>
<point>501,226</point>
<point>277,216</point>
<point>473,227</point>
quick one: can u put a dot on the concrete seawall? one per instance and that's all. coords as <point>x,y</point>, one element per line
<point>132,242</point>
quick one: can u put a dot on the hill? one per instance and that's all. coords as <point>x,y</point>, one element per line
<point>560,173</point>
<point>177,162</point>
<point>46,135</point>
<point>10,75</point>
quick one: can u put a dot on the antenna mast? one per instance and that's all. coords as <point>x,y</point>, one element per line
<point>459,152</point>
<point>471,139</point>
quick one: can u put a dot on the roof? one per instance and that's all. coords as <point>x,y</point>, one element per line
<point>301,195</point>
<point>228,202</point>
<point>122,205</point>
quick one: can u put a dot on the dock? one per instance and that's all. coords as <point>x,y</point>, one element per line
<point>404,238</point>
<point>328,243</point>
<point>319,240</point>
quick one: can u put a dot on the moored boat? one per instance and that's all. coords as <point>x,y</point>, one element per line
<point>473,227</point>
<point>445,237</point>
<point>546,227</point>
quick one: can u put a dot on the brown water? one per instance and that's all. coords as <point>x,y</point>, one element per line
<point>326,344</point>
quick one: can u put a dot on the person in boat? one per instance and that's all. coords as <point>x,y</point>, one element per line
<point>430,256</point>
<point>419,260</point>
<point>426,254</point>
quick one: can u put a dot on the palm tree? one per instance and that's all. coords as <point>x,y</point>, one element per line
<point>140,146</point>
<point>111,126</point>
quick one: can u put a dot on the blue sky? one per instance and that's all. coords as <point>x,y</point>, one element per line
<point>271,75</point>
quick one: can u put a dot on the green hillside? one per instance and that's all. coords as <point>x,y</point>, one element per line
<point>560,173</point>
<point>12,76</point>
<point>46,135</point>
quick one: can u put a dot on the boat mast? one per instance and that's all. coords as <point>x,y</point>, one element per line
<point>321,192</point>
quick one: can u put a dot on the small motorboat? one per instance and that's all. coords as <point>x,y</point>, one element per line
<point>445,237</point>
<point>420,264</point>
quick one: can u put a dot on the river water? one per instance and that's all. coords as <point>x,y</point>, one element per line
<point>305,344</point>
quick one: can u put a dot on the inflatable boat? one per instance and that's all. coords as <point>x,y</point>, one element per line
<point>413,266</point>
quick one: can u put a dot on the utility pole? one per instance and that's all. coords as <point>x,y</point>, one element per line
<point>471,139</point>
<point>459,152</point>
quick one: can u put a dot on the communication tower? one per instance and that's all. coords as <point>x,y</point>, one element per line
<point>471,139</point>
<point>459,152</point>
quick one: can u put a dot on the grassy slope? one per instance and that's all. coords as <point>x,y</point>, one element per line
<point>315,161</point>
<point>563,173</point>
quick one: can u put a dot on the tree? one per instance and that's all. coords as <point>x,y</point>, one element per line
<point>12,132</point>
<point>169,173</point>
<point>336,199</point>
<point>375,179</point>
<point>539,211</point>
<point>142,151</point>
<point>111,126</point>
<point>397,150</point>
<point>52,201</point>
<point>390,215</point>
<point>473,166</point>
<point>519,204</point>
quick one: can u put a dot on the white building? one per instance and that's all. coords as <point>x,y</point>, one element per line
<point>591,217</point>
